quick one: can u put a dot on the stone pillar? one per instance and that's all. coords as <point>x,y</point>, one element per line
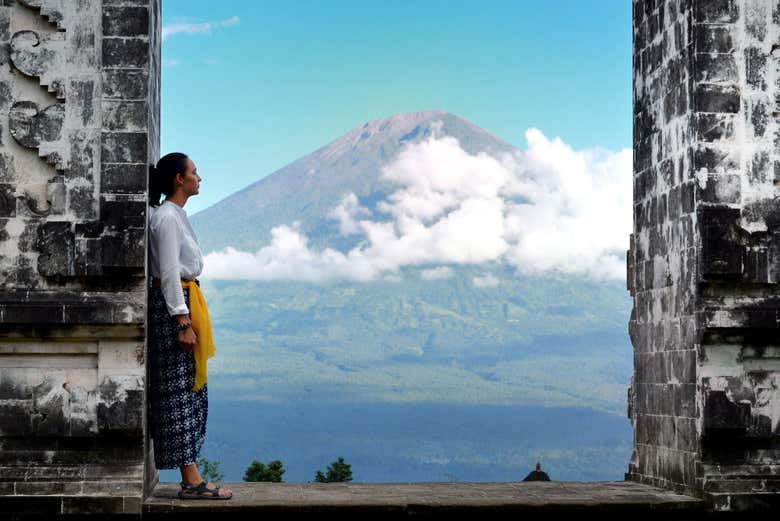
<point>704,265</point>
<point>79,123</point>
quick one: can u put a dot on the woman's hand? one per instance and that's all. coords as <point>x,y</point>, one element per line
<point>187,339</point>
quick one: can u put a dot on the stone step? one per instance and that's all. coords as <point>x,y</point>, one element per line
<point>748,484</point>
<point>750,501</point>
<point>743,469</point>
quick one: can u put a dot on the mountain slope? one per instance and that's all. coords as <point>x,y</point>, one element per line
<point>530,340</point>
<point>309,187</point>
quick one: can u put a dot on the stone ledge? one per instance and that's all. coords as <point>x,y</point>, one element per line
<point>605,498</point>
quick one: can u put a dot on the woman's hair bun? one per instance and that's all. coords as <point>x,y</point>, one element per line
<point>161,175</point>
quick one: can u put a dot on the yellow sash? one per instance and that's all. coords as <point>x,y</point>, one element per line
<point>201,324</point>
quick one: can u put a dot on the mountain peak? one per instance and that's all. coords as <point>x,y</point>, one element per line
<point>376,134</point>
<point>371,134</point>
<point>406,117</point>
<point>397,123</point>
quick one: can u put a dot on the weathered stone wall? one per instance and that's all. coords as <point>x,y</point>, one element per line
<point>79,123</point>
<point>704,265</point>
<point>153,126</point>
<point>662,258</point>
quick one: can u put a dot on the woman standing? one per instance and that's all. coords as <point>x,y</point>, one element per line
<point>180,340</point>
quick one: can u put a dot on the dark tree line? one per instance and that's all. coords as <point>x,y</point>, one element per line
<point>337,471</point>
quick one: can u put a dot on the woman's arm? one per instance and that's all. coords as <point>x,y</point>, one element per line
<point>169,248</point>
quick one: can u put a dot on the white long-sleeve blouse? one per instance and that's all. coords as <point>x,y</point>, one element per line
<point>174,253</point>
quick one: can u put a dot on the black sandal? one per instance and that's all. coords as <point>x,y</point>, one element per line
<point>200,491</point>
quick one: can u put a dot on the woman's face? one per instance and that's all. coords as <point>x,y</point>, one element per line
<point>191,179</point>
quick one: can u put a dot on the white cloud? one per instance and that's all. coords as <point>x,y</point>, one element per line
<point>580,216</point>
<point>548,209</point>
<point>439,272</point>
<point>171,63</point>
<point>346,211</point>
<point>487,281</point>
<point>183,27</point>
<point>288,256</point>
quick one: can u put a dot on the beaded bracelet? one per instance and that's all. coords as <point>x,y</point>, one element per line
<point>185,325</point>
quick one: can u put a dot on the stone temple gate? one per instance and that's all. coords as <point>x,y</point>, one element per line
<point>79,123</point>
<point>704,263</point>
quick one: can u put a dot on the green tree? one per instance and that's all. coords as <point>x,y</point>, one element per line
<point>209,469</point>
<point>337,471</point>
<point>258,471</point>
<point>450,476</point>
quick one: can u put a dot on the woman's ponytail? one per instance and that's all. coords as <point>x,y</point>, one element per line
<point>154,186</point>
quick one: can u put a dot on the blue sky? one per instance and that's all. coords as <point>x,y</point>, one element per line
<point>249,86</point>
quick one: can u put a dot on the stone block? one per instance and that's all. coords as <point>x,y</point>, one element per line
<point>116,470</point>
<point>757,265</point>
<point>758,118</point>
<point>717,98</point>
<point>113,488</point>
<point>55,241</point>
<point>121,355</point>
<point>714,39</point>
<point>714,127</point>
<point>7,200</point>
<point>124,177</point>
<point>91,229</point>
<point>124,249</point>
<point>125,53</point>
<point>81,201</point>
<point>124,147</point>
<point>722,414</point>
<point>88,313</point>
<point>48,488</point>
<point>27,505</point>
<point>7,170</point>
<point>126,84</point>
<point>715,159</point>
<point>125,116</point>
<point>84,154</point>
<point>88,256</point>
<point>716,11</point>
<point>5,25</point>
<point>120,411</point>
<point>720,256</point>
<point>756,65</point>
<point>81,101</point>
<point>15,419</point>
<point>121,214</point>
<point>718,188</point>
<point>92,505</point>
<point>715,68</point>
<point>125,20</point>
<point>760,165</point>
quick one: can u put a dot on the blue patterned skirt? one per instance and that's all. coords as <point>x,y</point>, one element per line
<point>177,414</point>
